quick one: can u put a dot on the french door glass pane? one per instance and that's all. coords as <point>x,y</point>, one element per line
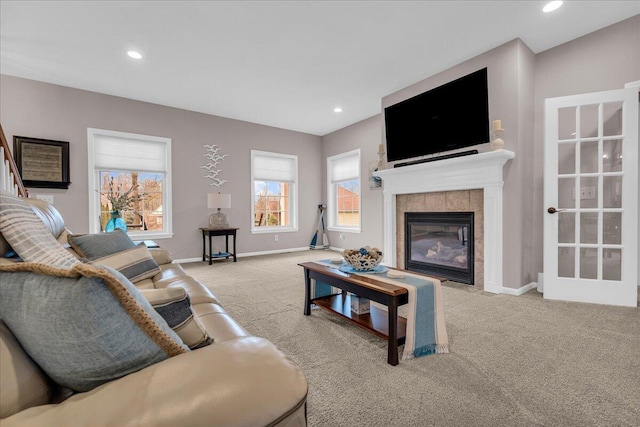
<point>612,264</point>
<point>589,263</point>
<point>589,193</point>
<point>566,193</point>
<point>612,155</point>
<point>567,123</point>
<point>612,191</point>
<point>567,158</point>
<point>566,262</point>
<point>589,121</point>
<point>589,227</point>
<point>612,228</point>
<point>566,227</point>
<point>612,119</point>
<point>589,157</point>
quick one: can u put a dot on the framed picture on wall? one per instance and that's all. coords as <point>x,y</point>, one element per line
<point>42,163</point>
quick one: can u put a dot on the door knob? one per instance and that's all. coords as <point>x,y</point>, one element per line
<point>553,210</point>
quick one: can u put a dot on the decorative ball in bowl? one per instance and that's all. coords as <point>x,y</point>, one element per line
<point>363,259</point>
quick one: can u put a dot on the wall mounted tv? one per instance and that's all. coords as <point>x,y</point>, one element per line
<point>451,116</point>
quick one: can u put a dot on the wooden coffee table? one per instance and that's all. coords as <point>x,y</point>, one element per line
<point>385,324</point>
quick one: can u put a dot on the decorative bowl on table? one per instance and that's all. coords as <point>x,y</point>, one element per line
<point>363,259</point>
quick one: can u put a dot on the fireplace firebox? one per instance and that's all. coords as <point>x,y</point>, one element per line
<point>441,244</point>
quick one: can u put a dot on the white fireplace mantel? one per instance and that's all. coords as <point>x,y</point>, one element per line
<point>478,171</point>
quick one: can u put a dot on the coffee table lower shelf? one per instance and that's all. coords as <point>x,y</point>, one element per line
<point>376,321</point>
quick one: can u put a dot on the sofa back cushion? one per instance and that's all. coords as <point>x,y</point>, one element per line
<point>48,214</point>
<point>23,383</point>
<point>83,326</point>
<point>28,236</point>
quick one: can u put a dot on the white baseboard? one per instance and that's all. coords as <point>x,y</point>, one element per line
<point>519,291</point>
<point>250,254</point>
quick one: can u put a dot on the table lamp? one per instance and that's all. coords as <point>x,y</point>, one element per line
<point>218,201</point>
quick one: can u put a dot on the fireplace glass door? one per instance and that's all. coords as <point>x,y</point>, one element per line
<point>441,244</point>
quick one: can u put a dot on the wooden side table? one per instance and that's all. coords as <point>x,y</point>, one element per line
<point>211,232</point>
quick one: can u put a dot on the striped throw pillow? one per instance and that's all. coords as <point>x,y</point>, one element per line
<point>135,264</point>
<point>28,236</point>
<point>174,305</point>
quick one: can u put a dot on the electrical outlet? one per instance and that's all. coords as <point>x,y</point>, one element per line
<point>341,236</point>
<point>275,237</point>
<point>587,193</point>
<point>46,197</point>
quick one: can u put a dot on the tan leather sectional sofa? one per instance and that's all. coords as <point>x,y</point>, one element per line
<point>239,380</point>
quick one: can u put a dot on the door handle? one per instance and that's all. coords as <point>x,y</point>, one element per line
<point>553,210</point>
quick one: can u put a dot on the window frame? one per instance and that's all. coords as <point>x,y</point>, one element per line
<point>293,195</point>
<point>94,184</point>
<point>332,205</point>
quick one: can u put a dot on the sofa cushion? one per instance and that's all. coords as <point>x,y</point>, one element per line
<point>23,383</point>
<point>174,306</point>
<point>93,246</point>
<point>135,264</point>
<point>83,326</point>
<point>28,236</point>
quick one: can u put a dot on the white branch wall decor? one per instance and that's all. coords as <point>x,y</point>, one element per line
<point>214,159</point>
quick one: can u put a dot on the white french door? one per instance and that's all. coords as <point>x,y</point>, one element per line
<point>591,198</point>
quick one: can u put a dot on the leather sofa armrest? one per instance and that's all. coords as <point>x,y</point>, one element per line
<point>161,256</point>
<point>243,382</point>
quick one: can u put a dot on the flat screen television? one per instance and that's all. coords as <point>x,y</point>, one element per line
<point>448,117</point>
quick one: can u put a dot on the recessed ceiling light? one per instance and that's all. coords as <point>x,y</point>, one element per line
<point>552,5</point>
<point>134,54</point>
<point>337,110</point>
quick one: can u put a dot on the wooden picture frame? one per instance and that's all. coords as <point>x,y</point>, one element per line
<point>42,163</point>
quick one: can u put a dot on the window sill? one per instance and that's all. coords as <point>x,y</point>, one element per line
<point>344,229</point>
<point>149,235</point>
<point>266,230</point>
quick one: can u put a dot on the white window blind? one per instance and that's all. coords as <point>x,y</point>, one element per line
<point>142,156</point>
<point>271,168</point>
<point>345,168</point>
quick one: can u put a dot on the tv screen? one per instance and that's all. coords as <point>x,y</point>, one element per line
<point>451,116</point>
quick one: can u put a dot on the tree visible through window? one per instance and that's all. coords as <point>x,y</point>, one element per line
<point>145,213</point>
<point>271,207</point>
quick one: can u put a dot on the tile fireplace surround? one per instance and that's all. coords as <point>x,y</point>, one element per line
<point>475,172</point>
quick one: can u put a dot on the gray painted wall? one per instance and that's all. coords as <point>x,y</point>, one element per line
<point>41,110</point>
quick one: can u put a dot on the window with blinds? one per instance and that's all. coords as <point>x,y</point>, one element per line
<point>130,178</point>
<point>343,191</point>
<point>274,180</point>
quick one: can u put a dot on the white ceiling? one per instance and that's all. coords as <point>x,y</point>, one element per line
<point>279,63</point>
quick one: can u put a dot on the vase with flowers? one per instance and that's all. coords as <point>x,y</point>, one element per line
<point>121,202</point>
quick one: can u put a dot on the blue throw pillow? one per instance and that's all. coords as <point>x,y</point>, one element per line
<point>85,326</point>
<point>93,246</point>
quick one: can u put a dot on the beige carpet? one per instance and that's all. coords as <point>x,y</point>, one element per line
<point>514,361</point>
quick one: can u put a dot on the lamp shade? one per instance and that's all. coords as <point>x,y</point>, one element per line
<point>218,201</point>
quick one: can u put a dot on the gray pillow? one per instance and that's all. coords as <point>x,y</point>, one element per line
<point>85,326</point>
<point>93,246</point>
